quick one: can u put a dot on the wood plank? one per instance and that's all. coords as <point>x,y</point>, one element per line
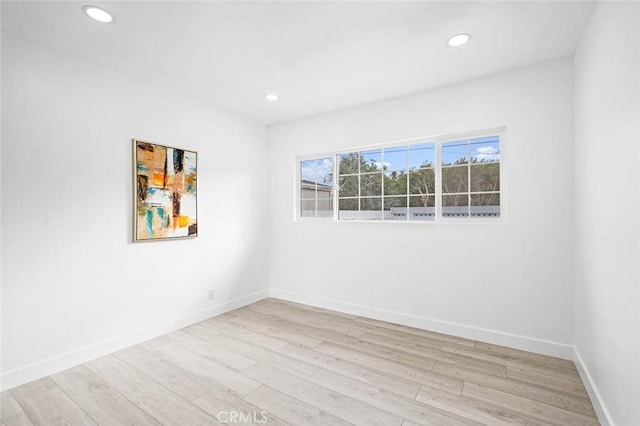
<point>537,410</point>
<point>543,359</point>
<point>374,349</point>
<point>286,312</point>
<point>243,333</point>
<point>322,313</point>
<point>249,314</point>
<point>572,403</point>
<point>339,405</point>
<point>265,356</point>
<point>408,372</point>
<point>210,351</point>
<point>400,386</point>
<point>45,403</point>
<point>547,381</point>
<point>11,413</point>
<point>512,361</point>
<point>103,403</point>
<point>272,331</point>
<point>230,409</point>
<point>305,319</point>
<point>480,411</point>
<point>433,340</point>
<point>165,373</point>
<point>406,408</point>
<point>292,410</point>
<point>164,405</point>
<point>212,372</point>
<point>418,332</point>
<point>438,355</point>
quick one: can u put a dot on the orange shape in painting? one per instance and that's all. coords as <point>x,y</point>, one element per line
<point>158,179</point>
<point>183,221</point>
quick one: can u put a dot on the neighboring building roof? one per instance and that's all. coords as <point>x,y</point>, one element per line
<point>309,184</point>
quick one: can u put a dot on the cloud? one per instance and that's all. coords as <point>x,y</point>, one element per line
<point>487,153</point>
<point>316,171</point>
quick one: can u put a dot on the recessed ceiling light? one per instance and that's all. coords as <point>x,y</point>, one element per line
<point>459,39</point>
<point>271,97</point>
<point>98,14</point>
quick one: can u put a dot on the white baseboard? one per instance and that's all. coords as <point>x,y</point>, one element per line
<point>529,344</point>
<point>592,390</point>
<point>52,365</point>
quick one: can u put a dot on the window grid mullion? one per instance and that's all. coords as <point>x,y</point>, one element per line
<point>336,187</point>
<point>438,179</point>
<point>469,178</point>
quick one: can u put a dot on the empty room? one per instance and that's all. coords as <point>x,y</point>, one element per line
<point>320,213</point>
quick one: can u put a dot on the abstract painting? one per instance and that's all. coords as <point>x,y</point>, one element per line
<point>165,187</point>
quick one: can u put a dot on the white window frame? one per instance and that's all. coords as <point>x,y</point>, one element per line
<point>438,140</point>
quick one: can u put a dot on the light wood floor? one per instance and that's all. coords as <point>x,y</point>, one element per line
<point>306,366</point>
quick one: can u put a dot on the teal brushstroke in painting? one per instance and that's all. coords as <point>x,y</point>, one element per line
<point>142,167</point>
<point>150,222</point>
<point>164,218</point>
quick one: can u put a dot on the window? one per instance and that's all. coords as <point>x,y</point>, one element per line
<point>471,178</point>
<point>428,180</point>
<point>316,187</point>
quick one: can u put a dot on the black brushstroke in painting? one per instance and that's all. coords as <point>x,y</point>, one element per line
<point>178,160</point>
<point>143,185</point>
<point>176,204</point>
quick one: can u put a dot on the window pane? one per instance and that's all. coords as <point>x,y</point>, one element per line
<point>422,201</point>
<point>395,183</point>
<point>371,208</point>
<point>325,207</point>
<point>371,203</point>
<point>348,209</point>
<point>348,186</point>
<point>485,177</point>
<point>324,167</point>
<point>395,208</point>
<point>371,185</point>
<point>390,202</point>
<point>371,161</point>
<point>348,163</point>
<point>395,158</point>
<point>348,204</point>
<point>308,172</point>
<point>307,208</point>
<point>455,179</point>
<point>455,153</point>
<point>422,208</point>
<point>324,196</point>
<point>485,205</point>
<point>307,190</point>
<point>422,155</point>
<point>455,205</point>
<point>484,150</point>
<point>422,181</point>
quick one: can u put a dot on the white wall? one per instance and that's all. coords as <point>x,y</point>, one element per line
<point>509,283</point>
<point>607,131</point>
<point>73,284</point>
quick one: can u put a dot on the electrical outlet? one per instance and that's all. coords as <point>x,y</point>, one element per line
<point>211,294</point>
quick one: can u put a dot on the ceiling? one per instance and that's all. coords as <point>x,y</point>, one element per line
<point>317,56</point>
